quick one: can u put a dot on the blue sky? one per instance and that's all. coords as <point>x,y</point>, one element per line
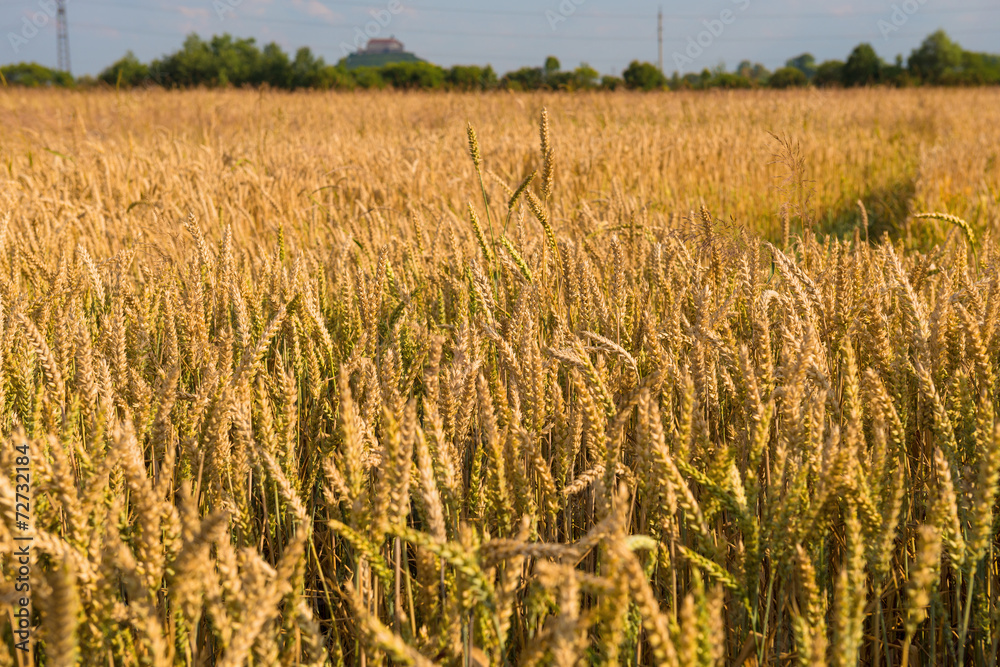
<point>605,34</point>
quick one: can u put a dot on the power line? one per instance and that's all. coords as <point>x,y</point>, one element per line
<point>603,16</point>
<point>579,38</point>
<point>483,56</point>
<point>633,37</point>
<point>547,36</point>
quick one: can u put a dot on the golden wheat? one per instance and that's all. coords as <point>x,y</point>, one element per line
<point>290,397</point>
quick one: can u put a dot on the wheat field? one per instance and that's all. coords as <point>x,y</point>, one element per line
<point>413,379</point>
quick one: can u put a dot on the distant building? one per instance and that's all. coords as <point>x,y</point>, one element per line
<point>375,46</point>
<point>378,53</point>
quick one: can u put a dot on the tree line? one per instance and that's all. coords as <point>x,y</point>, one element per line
<point>227,61</point>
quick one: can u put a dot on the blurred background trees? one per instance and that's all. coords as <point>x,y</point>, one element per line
<point>224,60</point>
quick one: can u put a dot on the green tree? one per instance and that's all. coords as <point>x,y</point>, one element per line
<point>191,66</point>
<point>32,75</point>
<point>561,81</point>
<point>728,80</point>
<point>690,81</point>
<point>488,79</point>
<point>275,69</point>
<point>471,77</point>
<point>239,60</point>
<point>644,76</point>
<point>223,61</point>
<point>829,74</point>
<point>305,71</point>
<point>863,67</point>
<point>585,77</point>
<point>368,77</point>
<point>127,71</point>
<point>755,72</point>
<point>936,58</point>
<point>552,67</point>
<point>526,78</point>
<point>413,75</point>
<point>611,82</point>
<point>979,68</point>
<point>308,71</point>
<point>896,74</point>
<point>805,63</point>
<point>332,76</point>
<point>788,77</point>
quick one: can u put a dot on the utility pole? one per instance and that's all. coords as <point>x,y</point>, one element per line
<point>659,37</point>
<point>62,35</point>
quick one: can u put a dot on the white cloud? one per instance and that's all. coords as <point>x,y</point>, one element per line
<point>193,12</point>
<point>316,9</point>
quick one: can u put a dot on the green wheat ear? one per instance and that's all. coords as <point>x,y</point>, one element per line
<point>955,220</point>
<point>478,230</point>
<point>522,266</point>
